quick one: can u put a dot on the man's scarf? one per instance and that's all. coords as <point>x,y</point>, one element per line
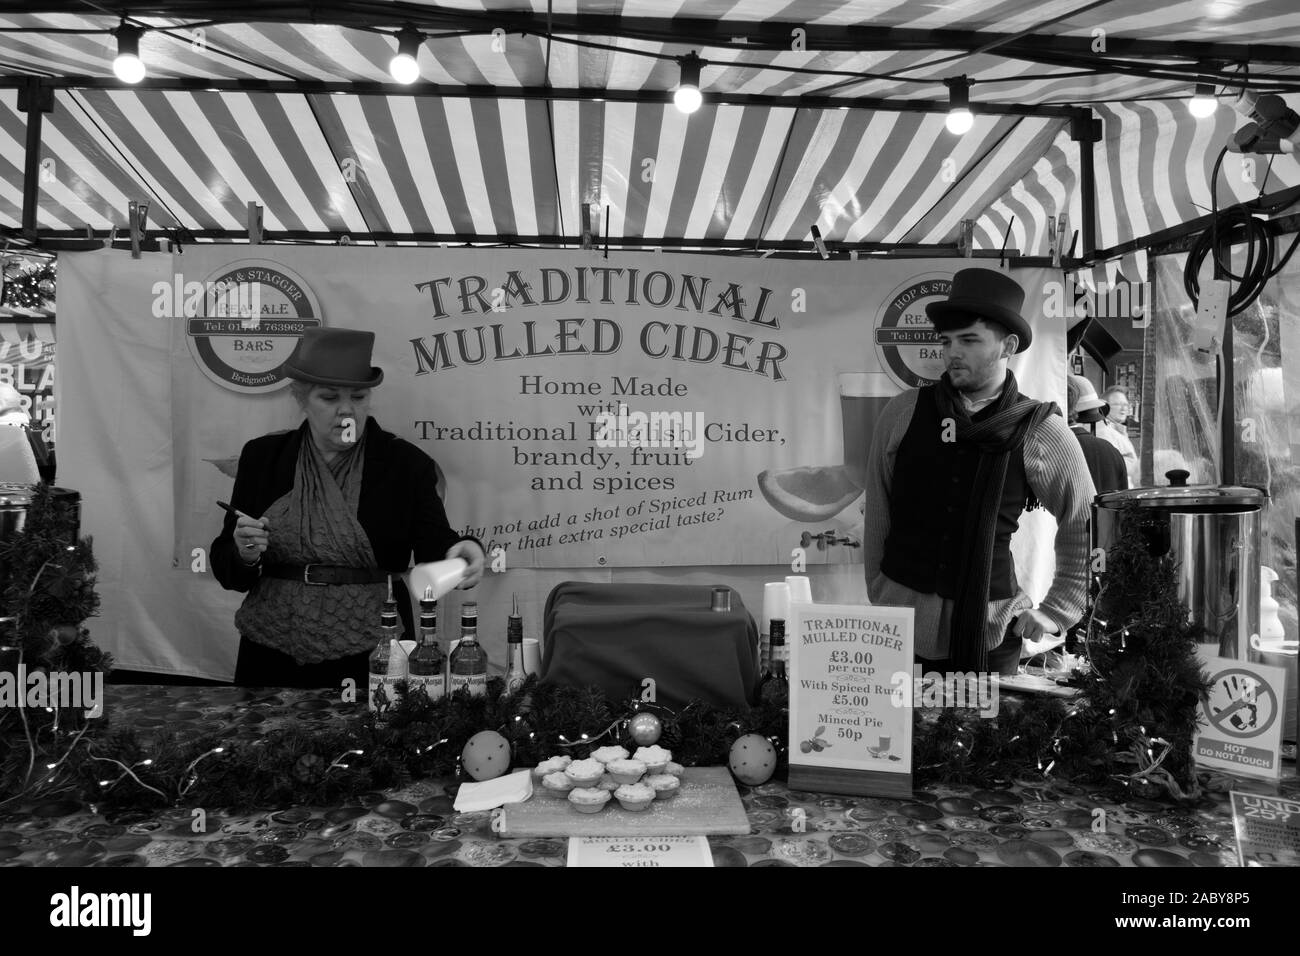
<point>996,437</point>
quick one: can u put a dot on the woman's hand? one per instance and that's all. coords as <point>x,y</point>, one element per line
<point>474,557</point>
<point>251,538</point>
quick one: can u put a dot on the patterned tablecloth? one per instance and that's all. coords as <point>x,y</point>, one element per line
<point>1021,825</point>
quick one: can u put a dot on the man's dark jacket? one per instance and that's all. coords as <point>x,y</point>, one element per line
<point>1105,463</point>
<point>399,507</point>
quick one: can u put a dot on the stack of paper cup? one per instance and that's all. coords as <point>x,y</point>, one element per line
<point>442,576</point>
<point>776,605</point>
<point>532,656</point>
<point>800,590</point>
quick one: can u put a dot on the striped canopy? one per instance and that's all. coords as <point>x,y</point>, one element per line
<point>507,143</point>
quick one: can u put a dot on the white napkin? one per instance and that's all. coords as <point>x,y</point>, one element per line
<point>512,788</point>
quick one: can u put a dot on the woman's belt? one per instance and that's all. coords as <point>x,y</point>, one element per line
<point>323,574</point>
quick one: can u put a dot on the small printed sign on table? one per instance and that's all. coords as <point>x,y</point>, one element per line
<point>640,851</point>
<point>1241,724</point>
<point>1267,829</point>
<point>850,726</point>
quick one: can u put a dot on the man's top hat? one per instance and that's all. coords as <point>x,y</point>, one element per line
<point>339,357</point>
<point>982,294</point>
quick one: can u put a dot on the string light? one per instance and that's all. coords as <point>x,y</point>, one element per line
<point>404,66</point>
<point>960,119</point>
<point>1204,103</point>
<point>127,65</point>
<point>687,96</point>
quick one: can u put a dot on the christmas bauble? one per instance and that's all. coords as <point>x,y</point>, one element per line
<point>487,755</point>
<point>753,759</point>
<point>46,288</point>
<point>645,729</point>
<point>63,634</point>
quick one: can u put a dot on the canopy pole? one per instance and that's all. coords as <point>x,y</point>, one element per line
<point>35,99</point>
<point>1086,131</point>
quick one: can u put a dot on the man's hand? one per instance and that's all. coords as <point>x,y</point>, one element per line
<point>474,557</point>
<point>1038,633</point>
<point>1034,625</point>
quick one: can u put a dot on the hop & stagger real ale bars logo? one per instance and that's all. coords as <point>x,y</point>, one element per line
<point>243,322</point>
<point>906,342</point>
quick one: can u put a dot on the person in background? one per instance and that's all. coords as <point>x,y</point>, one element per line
<point>1114,429</point>
<point>329,511</point>
<point>22,452</point>
<point>1105,463</point>
<point>952,467</point>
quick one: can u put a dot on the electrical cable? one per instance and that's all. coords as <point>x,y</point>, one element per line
<point>1239,226</point>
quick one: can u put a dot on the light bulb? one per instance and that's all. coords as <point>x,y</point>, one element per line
<point>128,69</point>
<point>687,97</point>
<point>959,121</point>
<point>1204,103</point>
<point>403,67</point>
<point>127,65</point>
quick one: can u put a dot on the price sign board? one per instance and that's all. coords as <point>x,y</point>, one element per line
<point>850,723</point>
<point>1267,829</point>
<point>1240,718</point>
<point>640,851</point>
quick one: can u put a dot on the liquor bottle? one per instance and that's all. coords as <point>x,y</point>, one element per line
<point>775,685</point>
<point>427,665</point>
<point>385,660</point>
<point>469,661</point>
<point>515,673</point>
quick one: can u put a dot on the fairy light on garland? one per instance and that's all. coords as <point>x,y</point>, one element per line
<point>338,761</point>
<point>193,777</point>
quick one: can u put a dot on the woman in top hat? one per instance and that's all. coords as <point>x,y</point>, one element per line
<point>328,511</point>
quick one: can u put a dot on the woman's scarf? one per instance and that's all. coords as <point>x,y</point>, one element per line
<point>996,437</point>
<point>316,523</point>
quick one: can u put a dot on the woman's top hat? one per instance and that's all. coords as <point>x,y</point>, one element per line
<point>339,357</point>
<point>982,294</point>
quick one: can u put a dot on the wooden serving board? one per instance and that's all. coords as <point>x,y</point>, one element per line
<point>706,803</point>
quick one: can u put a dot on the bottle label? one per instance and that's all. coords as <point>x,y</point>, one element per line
<point>476,684</point>
<point>435,686</point>
<point>383,694</point>
<point>515,681</point>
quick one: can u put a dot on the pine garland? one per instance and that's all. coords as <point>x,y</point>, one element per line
<point>31,288</point>
<point>1131,726</point>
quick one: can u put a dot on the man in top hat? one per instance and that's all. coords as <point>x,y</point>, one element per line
<point>1105,463</point>
<point>952,467</point>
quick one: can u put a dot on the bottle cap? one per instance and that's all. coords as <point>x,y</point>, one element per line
<point>721,599</point>
<point>515,624</point>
